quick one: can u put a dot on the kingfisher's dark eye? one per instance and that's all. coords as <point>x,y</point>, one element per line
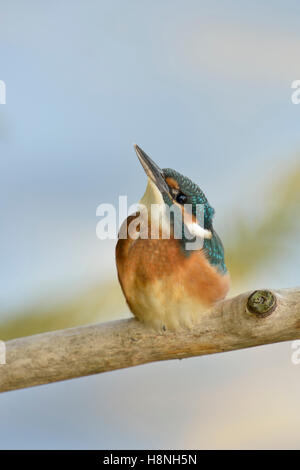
<point>181,198</point>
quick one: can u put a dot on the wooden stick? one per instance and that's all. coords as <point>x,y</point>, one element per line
<point>250,319</point>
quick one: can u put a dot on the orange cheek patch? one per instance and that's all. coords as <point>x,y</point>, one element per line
<point>188,216</point>
<point>172,183</point>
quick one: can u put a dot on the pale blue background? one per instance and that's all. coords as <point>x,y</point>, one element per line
<point>204,87</point>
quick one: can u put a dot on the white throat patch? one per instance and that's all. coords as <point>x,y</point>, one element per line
<point>153,202</point>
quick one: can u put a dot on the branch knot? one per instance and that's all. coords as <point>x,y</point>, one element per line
<point>262,303</point>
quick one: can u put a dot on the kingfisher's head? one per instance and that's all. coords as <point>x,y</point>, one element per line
<point>167,186</point>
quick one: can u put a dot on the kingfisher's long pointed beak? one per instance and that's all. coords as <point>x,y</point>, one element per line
<point>152,170</point>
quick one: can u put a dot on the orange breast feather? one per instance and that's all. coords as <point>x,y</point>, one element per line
<point>164,287</point>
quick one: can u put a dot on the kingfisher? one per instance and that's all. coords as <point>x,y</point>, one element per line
<point>167,284</point>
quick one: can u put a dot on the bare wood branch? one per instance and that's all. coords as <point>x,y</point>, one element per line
<point>250,319</point>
